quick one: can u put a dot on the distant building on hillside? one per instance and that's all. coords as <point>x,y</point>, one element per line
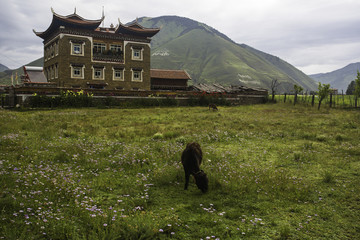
<point>78,53</point>
<point>334,91</point>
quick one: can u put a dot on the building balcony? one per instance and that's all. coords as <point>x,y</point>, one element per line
<point>109,56</point>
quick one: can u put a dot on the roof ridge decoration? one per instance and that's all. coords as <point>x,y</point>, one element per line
<point>75,15</point>
<point>74,21</point>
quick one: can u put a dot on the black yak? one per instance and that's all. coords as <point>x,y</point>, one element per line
<point>191,160</point>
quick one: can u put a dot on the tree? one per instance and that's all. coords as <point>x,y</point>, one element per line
<point>297,89</point>
<point>324,90</point>
<point>351,88</point>
<point>274,85</point>
<point>357,87</point>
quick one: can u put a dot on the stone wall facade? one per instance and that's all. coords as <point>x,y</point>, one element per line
<point>60,62</point>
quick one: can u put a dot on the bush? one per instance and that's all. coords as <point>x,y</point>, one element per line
<point>205,99</point>
<point>328,177</point>
<point>158,136</point>
<point>83,99</point>
<point>66,99</point>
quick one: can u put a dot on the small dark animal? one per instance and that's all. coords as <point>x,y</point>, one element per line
<point>213,107</point>
<point>191,160</point>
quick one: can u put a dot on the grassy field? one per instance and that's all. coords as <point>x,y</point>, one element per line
<point>276,171</point>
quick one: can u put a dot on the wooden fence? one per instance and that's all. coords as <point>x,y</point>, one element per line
<point>333,100</point>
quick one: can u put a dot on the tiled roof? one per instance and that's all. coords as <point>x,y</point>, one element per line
<point>77,22</point>
<point>136,29</point>
<point>217,88</point>
<point>72,20</point>
<point>169,74</point>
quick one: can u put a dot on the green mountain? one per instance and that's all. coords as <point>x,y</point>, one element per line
<point>298,76</point>
<point>340,78</point>
<point>3,68</point>
<point>211,57</point>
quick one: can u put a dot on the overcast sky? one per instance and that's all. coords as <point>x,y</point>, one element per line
<point>313,35</point>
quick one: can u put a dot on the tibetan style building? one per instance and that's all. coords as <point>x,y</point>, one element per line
<point>78,53</point>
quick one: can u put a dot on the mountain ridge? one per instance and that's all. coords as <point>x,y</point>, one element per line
<point>180,44</point>
<point>3,68</point>
<point>340,78</point>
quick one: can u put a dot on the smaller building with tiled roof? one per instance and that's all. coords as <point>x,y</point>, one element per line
<point>162,79</point>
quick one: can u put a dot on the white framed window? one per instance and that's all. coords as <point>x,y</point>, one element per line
<point>137,75</point>
<point>137,53</point>
<point>77,71</point>
<point>99,47</point>
<point>56,48</point>
<point>56,71</point>
<point>98,73</point>
<point>115,48</point>
<point>77,48</point>
<point>52,72</point>
<point>118,74</point>
<point>52,51</point>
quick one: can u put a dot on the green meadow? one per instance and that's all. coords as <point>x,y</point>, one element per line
<point>276,171</point>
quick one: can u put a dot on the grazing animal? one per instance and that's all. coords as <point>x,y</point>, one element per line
<point>191,160</point>
<point>213,107</point>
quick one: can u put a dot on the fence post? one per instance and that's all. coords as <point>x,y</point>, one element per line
<point>12,97</point>
<point>313,100</point>
<point>285,97</point>
<point>331,99</point>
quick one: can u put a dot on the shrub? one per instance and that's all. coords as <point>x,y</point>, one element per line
<point>328,177</point>
<point>339,138</point>
<point>297,156</point>
<point>65,99</point>
<point>321,138</point>
<point>181,140</point>
<point>285,232</point>
<point>158,136</point>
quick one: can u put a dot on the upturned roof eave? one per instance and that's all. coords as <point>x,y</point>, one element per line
<point>59,20</point>
<point>145,32</point>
